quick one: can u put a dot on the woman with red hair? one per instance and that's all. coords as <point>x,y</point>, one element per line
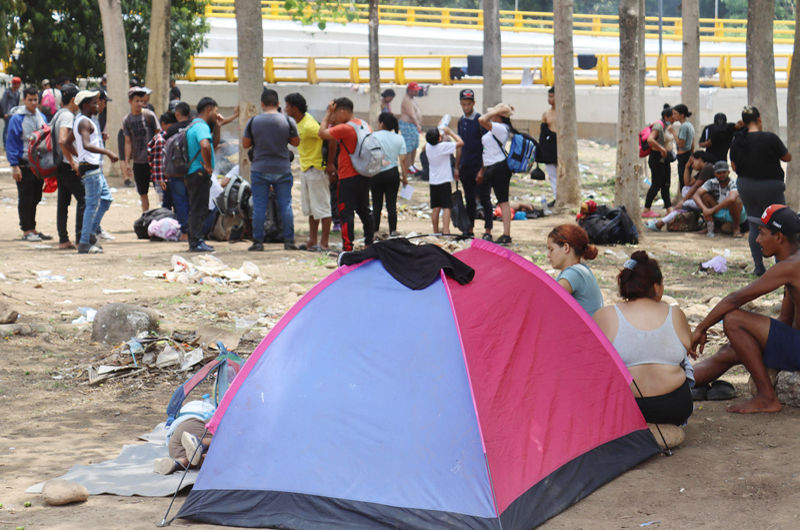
<point>566,246</point>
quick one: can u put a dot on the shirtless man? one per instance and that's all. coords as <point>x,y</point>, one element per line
<point>757,341</point>
<point>411,124</point>
<point>548,143</point>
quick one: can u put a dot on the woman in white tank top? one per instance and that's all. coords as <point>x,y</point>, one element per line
<point>652,338</point>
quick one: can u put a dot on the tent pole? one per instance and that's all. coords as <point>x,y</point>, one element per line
<point>164,521</point>
<point>667,451</point>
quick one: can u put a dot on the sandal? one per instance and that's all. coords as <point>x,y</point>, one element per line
<point>700,392</point>
<point>737,235</point>
<point>651,213</point>
<point>721,391</point>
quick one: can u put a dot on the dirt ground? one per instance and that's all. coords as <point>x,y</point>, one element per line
<point>732,471</point>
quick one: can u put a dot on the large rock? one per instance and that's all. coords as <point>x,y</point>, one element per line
<point>116,323</point>
<point>788,388</point>
<point>8,315</point>
<point>773,376</point>
<point>58,491</point>
<point>673,435</point>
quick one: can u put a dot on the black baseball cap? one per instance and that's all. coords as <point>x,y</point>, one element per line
<point>778,217</point>
<point>467,93</point>
<point>103,93</point>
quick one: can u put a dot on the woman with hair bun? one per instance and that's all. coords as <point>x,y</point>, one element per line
<point>652,338</point>
<point>566,246</point>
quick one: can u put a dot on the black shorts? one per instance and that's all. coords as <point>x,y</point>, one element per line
<point>141,176</point>
<point>783,347</point>
<point>441,195</point>
<point>499,177</point>
<point>673,408</point>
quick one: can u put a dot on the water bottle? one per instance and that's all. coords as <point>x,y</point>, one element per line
<point>444,122</point>
<point>727,253</point>
<point>543,200</point>
<point>208,407</point>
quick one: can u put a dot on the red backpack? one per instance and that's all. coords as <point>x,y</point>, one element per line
<point>40,152</point>
<point>644,134</point>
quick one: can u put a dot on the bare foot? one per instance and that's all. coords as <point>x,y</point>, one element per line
<point>184,237</point>
<point>755,405</point>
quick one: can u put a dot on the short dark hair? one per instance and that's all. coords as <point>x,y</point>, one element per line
<point>168,118</point>
<point>183,108</point>
<point>297,101</point>
<point>30,91</point>
<point>750,114</point>
<point>705,156</point>
<point>389,120</point>
<point>343,103</point>
<point>640,280</point>
<point>388,93</point>
<point>270,98</point>
<point>682,109</point>
<point>552,90</point>
<point>432,136</point>
<point>63,79</point>
<point>134,81</point>
<point>205,103</point>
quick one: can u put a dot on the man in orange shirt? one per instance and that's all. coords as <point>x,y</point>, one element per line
<point>353,188</point>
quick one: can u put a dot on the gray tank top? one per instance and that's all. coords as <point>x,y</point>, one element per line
<point>658,346</point>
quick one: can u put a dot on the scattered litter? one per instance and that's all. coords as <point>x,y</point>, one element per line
<point>407,192</point>
<point>2,276</point>
<point>192,358</point>
<point>65,302</point>
<point>118,291</point>
<point>206,269</point>
<point>155,274</point>
<point>682,490</point>
<point>651,522</point>
<point>673,253</point>
<point>40,246</point>
<point>717,264</point>
<point>46,276</point>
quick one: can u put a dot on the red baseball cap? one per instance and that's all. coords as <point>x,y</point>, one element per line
<point>778,217</point>
<point>16,81</point>
<point>414,86</point>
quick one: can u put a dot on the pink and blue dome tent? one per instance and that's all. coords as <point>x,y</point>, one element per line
<point>491,405</point>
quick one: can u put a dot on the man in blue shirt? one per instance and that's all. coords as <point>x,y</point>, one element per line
<point>201,142</point>
<point>469,163</point>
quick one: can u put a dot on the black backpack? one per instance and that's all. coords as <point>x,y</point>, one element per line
<point>273,224</point>
<point>141,224</point>
<point>610,226</point>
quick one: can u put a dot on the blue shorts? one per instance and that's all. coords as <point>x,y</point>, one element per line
<point>410,134</point>
<point>724,216</point>
<point>783,347</point>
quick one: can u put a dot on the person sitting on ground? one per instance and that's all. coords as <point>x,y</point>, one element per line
<point>183,448</point>
<point>719,200</point>
<point>652,339</point>
<point>566,245</point>
<point>757,341</point>
<point>441,174</point>
<point>703,163</point>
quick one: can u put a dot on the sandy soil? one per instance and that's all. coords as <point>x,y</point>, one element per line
<point>732,471</point>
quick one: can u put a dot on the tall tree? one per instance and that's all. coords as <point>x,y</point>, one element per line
<point>158,54</point>
<point>492,55</point>
<point>250,42</point>
<point>12,27</point>
<point>761,91</point>
<point>690,63</point>
<point>116,67</point>
<point>569,177</point>
<point>642,74</point>
<point>793,127</point>
<point>374,65</point>
<point>629,171</point>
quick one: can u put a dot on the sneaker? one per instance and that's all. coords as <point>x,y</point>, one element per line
<point>551,203</point>
<point>289,245</point>
<point>256,246</point>
<point>32,238</point>
<point>651,224</point>
<point>337,227</point>
<point>45,237</point>
<point>105,236</point>
<point>504,240</point>
<point>395,233</point>
<point>413,169</point>
<point>193,447</point>
<point>128,183</point>
<point>651,213</point>
<point>487,237</point>
<point>88,248</point>
<point>201,247</point>
<point>164,466</point>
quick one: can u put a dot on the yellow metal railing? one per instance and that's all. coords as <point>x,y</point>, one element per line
<point>663,71</point>
<point>717,30</point>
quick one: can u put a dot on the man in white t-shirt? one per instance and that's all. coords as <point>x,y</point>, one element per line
<point>441,173</point>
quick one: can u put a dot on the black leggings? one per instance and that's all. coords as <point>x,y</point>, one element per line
<point>673,408</point>
<point>385,183</point>
<point>660,175</point>
<point>468,176</point>
<point>756,196</point>
<point>683,158</point>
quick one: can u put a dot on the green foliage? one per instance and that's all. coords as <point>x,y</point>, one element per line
<point>10,13</point>
<point>65,37</point>
<point>321,12</point>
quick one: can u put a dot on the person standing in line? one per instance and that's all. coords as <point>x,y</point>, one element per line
<point>353,191</point>
<point>9,101</point>
<point>269,134</point>
<point>685,139</point>
<point>69,180</point>
<point>139,127</point>
<point>387,182</point>
<point>660,142</point>
<point>548,144</point>
<point>497,174</point>
<point>174,91</point>
<point>717,137</point>
<point>386,100</point>
<point>201,143</point>
<point>85,141</point>
<point>23,121</point>
<point>315,195</point>
<point>469,164</point>
<point>176,185</point>
<point>441,174</point>
<point>155,159</point>
<point>411,124</point>
<point>331,169</point>
<point>756,157</point>
<point>49,100</point>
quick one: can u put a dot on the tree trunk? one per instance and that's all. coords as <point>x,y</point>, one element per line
<point>629,170</point>
<point>492,55</point>
<point>116,54</point>
<point>761,91</point>
<point>158,55</point>
<point>374,66</point>
<point>642,75</point>
<point>569,177</point>
<point>690,68</point>
<point>250,51</point>
<point>793,127</point>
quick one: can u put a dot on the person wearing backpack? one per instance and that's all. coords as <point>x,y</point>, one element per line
<point>155,159</point>
<point>497,173</point>
<point>270,134</point>
<point>176,184</point>
<point>353,190</point>
<point>660,141</point>
<point>49,100</point>
<point>69,181</point>
<point>25,119</point>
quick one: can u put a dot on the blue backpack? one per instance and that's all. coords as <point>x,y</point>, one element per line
<point>522,154</point>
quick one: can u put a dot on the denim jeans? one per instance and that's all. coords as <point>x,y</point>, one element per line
<point>180,200</point>
<point>282,185</point>
<point>98,201</point>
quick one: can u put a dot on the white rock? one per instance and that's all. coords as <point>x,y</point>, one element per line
<point>59,491</point>
<point>297,289</point>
